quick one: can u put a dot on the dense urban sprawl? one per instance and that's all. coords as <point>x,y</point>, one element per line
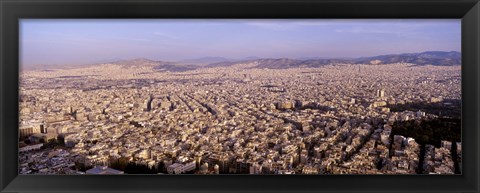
<point>336,119</point>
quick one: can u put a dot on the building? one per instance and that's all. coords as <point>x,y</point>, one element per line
<point>28,130</point>
<point>30,147</point>
<point>178,168</point>
<point>175,168</point>
<point>446,144</point>
<point>216,168</point>
<point>380,93</point>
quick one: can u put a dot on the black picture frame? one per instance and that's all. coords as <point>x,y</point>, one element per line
<point>13,10</point>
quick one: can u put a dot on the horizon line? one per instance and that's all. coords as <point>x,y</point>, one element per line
<point>228,58</point>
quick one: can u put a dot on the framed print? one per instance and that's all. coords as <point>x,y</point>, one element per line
<point>248,96</point>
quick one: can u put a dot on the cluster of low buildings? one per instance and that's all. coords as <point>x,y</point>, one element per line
<point>58,161</point>
<point>329,120</point>
<point>438,160</point>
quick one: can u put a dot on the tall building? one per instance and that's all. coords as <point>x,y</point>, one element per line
<point>43,129</point>
<point>216,168</point>
<point>380,93</point>
<point>28,130</point>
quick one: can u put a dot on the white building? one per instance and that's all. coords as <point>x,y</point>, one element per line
<point>178,168</point>
<point>175,168</point>
<point>189,166</point>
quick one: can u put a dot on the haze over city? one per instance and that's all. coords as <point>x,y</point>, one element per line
<point>95,41</point>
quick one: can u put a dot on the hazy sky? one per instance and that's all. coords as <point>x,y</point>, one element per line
<point>66,41</point>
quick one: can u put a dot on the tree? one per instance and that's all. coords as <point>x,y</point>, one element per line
<point>430,131</point>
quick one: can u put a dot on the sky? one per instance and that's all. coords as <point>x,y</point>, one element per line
<point>84,41</point>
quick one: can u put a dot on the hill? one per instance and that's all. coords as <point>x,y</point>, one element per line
<point>436,58</point>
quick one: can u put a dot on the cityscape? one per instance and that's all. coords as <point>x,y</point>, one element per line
<point>395,113</point>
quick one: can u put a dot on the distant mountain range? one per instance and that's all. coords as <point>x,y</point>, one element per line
<point>436,58</point>
<point>156,65</point>
<point>205,60</point>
